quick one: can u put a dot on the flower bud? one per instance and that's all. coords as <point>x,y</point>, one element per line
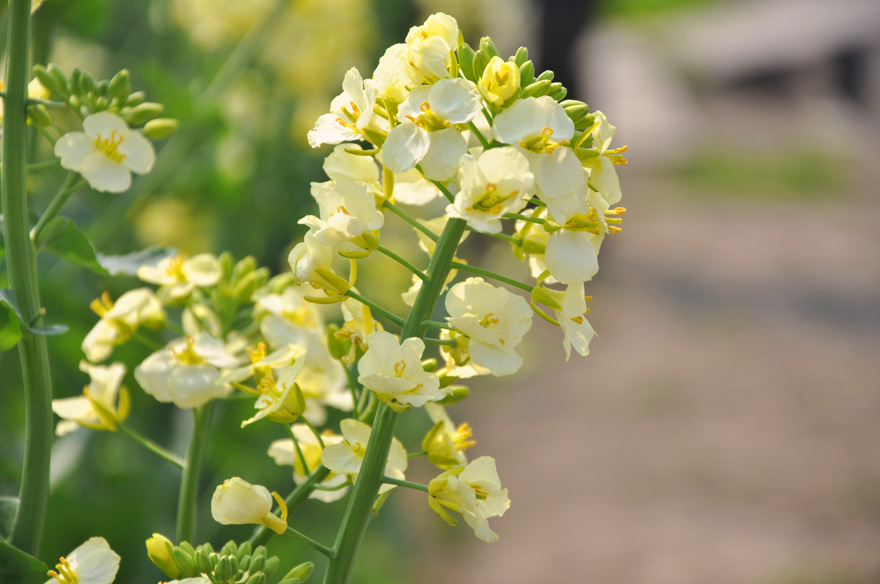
<point>481,59</point>
<point>86,83</point>
<point>456,394</point>
<point>546,75</point>
<point>159,552</point>
<point>223,570</point>
<point>272,565</point>
<point>466,60</point>
<point>45,79</point>
<point>488,47</point>
<point>243,550</point>
<point>230,547</point>
<point>38,114</point>
<point>526,73</point>
<point>258,578</point>
<point>522,55</point>
<point>557,91</point>
<point>120,86</point>
<point>183,561</point>
<point>59,77</point>
<point>536,89</point>
<point>143,113</point>
<point>135,99</point>
<point>102,87</point>
<point>499,82</point>
<point>300,572</point>
<point>160,128</point>
<point>203,562</point>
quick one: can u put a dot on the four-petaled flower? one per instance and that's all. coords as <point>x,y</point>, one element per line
<point>106,152</point>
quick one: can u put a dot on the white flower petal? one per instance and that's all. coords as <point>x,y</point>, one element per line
<point>445,149</point>
<point>571,257</point>
<point>138,151</point>
<point>406,145</point>
<point>104,174</point>
<point>72,148</point>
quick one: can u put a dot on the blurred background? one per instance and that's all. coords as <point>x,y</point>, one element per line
<point>724,428</point>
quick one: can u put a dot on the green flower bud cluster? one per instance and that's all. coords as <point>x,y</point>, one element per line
<point>473,64</point>
<point>87,96</point>
<point>237,284</point>
<point>232,564</point>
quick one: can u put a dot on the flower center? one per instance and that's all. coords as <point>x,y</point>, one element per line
<point>489,320</point>
<point>461,439</point>
<point>102,305</point>
<point>399,368</point>
<point>110,146</point>
<point>64,573</point>
<point>491,201</point>
<point>429,120</point>
<point>188,355</point>
<point>479,492</point>
<point>175,268</point>
<point>542,142</point>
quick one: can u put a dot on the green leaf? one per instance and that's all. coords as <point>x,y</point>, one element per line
<point>12,323</point>
<point>2,238</point>
<point>8,507</point>
<point>19,567</point>
<point>128,264</point>
<point>61,237</point>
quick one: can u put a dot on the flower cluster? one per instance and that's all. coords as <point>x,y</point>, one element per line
<point>441,138</point>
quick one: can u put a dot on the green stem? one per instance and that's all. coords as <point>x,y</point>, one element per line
<point>447,342</point>
<point>360,504</point>
<point>352,386</point>
<point>153,447</point>
<point>44,164</point>
<point>384,250</point>
<point>306,539</point>
<point>407,484</point>
<point>296,447</point>
<point>376,308</point>
<point>478,134</point>
<point>417,454</point>
<point>314,431</point>
<point>189,483</point>
<point>405,216</point>
<point>22,270</point>
<point>493,275</point>
<point>522,217</point>
<point>438,324</point>
<point>446,192</point>
<point>503,237</point>
<point>58,201</point>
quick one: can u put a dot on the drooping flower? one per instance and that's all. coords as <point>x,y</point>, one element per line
<point>492,184</point>
<point>280,400</point>
<point>179,275</point>
<point>445,443</point>
<point>571,253</point>
<point>495,321</point>
<point>106,152</point>
<point>570,307</point>
<point>119,321</point>
<point>393,371</point>
<point>347,211</point>
<point>102,406</point>
<point>347,456</point>
<point>93,562</point>
<point>237,502</point>
<point>474,491</point>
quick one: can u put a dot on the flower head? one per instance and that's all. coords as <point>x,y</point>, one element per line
<point>179,275</point>
<point>393,371</point>
<point>106,152</point>
<point>120,319</point>
<point>283,452</point>
<point>495,321</point>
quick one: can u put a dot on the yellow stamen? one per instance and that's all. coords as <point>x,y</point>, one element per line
<point>399,368</point>
<point>188,355</point>
<point>110,146</point>
<point>257,354</point>
<point>102,305</point>
<point>489,320</point>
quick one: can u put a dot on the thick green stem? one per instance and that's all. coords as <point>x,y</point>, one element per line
<point>22,269</point>
<point>363,495</point>
<point>189,483</point>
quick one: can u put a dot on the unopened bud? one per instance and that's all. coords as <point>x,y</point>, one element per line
<point>536,89</point>
<point>546,75</point>
<point>229,547</point>
<point>160,128</point>
<point>258,578</point>
<point>481,59</point>
<point>86,83</point>
<point>522,55</point>
<point>272,565</point>
<point>59,77</point>
<point>120,86</point>
<point>466,61</point>
<point>135,99</point>
<point>526,73</point>
<point>488,47</point>
<point>183,561</point>
<point>456,394</point>
<point>39,115</point>
<point>45,79</point>
<point>557,91</point>
<point>159,552</point>
<point>300,572</point>
<point>245,548</point>
<point>223,569</point>
<point>143,113</point>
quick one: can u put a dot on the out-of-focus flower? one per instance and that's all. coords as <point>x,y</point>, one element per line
<point>106,152</point>
<point>444,443</point>
<point>179,275</point>
<point>102,406</point>
<point>119,321</point>
<point>284,453</point>
<point>187,371</point>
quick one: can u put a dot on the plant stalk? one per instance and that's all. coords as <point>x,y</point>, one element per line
<point>21,264</point>
<point>360,504</point>
<point>189,482</point>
